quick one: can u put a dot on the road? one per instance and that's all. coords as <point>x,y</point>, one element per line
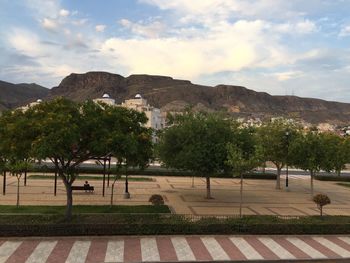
<point>174,248</point>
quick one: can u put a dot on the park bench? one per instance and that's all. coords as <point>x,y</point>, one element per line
<point>83,188</point>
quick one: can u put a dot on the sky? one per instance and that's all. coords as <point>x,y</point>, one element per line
<point>282,47</point>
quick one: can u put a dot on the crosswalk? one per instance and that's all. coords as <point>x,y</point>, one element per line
<point>173,248</point>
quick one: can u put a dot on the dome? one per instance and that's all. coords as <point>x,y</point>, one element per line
<point>138,96</point>
<point>39,100</point>
<point>106,96</point>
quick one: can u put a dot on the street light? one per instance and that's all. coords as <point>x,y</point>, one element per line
<point>287,144</point>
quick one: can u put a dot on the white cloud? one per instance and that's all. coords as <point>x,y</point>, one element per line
<point>345,31</point>
<point>283,76</point>
<point>151,30</point>
<point>64,12</point>
<point>100,28</point>
<point>79,22</point>
<point>305,27</point>
<point>49,24</point>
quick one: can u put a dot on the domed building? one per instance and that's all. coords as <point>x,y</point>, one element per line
<point>105,99</point>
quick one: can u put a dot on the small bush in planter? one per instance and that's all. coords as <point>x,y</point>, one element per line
<point>321,200</point>
<point>156,200</point>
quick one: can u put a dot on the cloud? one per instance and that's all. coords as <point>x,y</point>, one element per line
<point>64,12</point>
<point>345,31</point>
<point>100,28</point>
<point>283,76</point>
<point>49,24</point>
<point>151,30</point>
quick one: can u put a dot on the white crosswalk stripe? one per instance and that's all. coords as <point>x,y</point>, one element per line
<point>115,251</point>
<point>248,251</point>
<point>78,252</point>
<point>7,249</point>
<point>214,249</point>
<point>307,249</point>
<point>149,249</point>
<point>182,249</point>
<point>345,239</point>
<point>276,248</point>
<point>334,247</point>
<point>42,252</point>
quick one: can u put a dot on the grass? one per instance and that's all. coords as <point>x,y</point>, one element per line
<point>344,184</point>
<point>83,209</point>
<point>87,177</point>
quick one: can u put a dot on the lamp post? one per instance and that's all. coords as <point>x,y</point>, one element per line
<point>287,144</point>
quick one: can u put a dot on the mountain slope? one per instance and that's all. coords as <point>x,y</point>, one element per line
<point>172,94</point>
<point>14,95</point>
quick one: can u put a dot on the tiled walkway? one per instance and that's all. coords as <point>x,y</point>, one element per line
<point>173,248</point>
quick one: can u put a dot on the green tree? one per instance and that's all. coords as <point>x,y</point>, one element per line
<point>70,133</point>
<point>196,142</point>
<point>307,152</point>
<point>274,138</point>
<point>243,156</point>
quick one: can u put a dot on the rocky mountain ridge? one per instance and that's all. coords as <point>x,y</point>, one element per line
<point>174,95</point>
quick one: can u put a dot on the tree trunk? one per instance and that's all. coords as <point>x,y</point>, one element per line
<point>17,203</point>
<point>339,172</point>
<point>278,178</point>
<point>112,191</point>
<point>241,196</point>
<point>312,183</point>
<point>208,187</point>
<point>69,206</point>
<point>321,211</point>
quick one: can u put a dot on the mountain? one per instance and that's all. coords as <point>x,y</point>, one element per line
<point>14,95</point>
<point>173,95</point>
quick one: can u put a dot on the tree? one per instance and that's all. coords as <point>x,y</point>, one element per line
<point>337,152</point>
<point>321,200</point>
<point>70,133</point>
<point>16,136</point>
<point>196,142</point>
<point>243,156</point>
<point>307,152</point>
<point>274,138</point>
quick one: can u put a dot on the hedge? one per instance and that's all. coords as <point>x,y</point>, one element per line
<point>165,225</point>
<point>332,178</point>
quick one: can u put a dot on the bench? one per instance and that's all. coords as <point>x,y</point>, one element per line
<point>83,188</point>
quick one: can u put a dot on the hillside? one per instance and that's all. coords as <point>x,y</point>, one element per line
<point>14,95</point>
<point>172,94</point>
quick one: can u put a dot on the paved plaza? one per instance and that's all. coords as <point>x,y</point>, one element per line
<point>260,196</point>
<point>172,249</point>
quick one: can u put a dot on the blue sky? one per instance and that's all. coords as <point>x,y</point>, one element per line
<point>282,47</point>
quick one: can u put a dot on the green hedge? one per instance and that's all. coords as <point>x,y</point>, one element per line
<point>49,225</point>
<point>333,178</point>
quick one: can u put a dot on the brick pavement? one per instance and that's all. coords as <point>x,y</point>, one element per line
<point>173,248</point>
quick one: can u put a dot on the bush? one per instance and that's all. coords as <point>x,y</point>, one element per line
<point>156,200</point>
<point>332,178</point>
<point>321,200</point>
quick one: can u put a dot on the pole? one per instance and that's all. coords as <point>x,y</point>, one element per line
<point>193,181</point>
<point>4,184</point>
<point>104,177</point>
<point>25,178</point>
<point>55,184</point>
<point>109,171</point>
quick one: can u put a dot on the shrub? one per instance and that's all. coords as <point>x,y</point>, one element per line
<point>156,200</point>
<point>321,200</point>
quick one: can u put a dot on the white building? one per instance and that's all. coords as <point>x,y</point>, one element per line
<point>105,99</point>
<point>155,118</point>
<point>32,104</point>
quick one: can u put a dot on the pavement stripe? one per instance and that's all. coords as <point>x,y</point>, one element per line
<point>339,242</point>
<point>23,252</point>
<point>97,251</point>
<point>182,249</point>
<point>310,251</point>
<point>324,250</point>
<point>345,239</point>
<point>60,253</point>
<point>132,250</point>
<point>295,251</point>
<point>231,250</point>
<point>276,248</point>
<point>166,249</point>
<point>248,251</point>
<point>149,249</point>
<point>78,252</point>
<point>214,248</point>
<point>200,252</point>
<point>42,252</point>
<point>263,250</point>
<point>115,251</point>
<point>332,246</point>
<point>7,249</point>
